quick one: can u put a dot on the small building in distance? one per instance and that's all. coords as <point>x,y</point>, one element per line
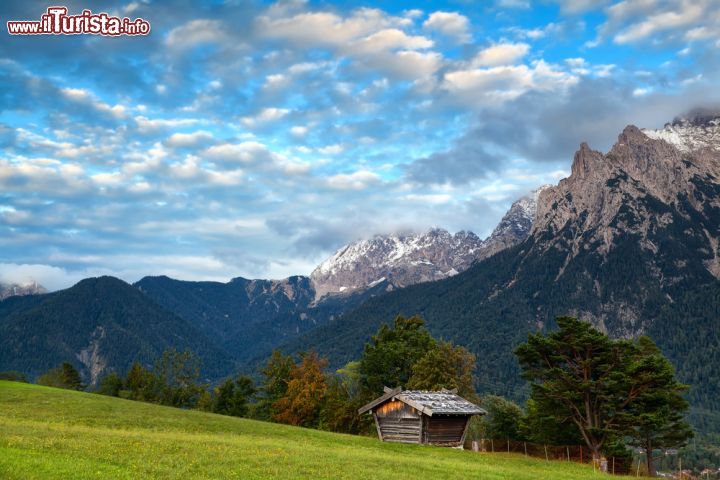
<point>413,416</point>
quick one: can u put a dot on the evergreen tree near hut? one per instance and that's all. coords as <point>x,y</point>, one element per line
<point>603,386</point>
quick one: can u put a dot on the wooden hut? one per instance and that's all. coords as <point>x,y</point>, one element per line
<point>413,416</point>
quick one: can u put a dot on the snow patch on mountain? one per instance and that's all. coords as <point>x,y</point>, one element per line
<point>406,259</point>
<point>692,132</point>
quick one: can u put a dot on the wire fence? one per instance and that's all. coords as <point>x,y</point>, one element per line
<point>568,453</point>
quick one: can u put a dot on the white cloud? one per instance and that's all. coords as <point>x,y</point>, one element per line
<point>501,54</point>
<point>355,181</point>
<point>451,24</point>
<point>183,140</point>
<point>431,198</point>
<point>299,131</point>
<point>85,97</point>
<point>688,14</point>
<point>326,29</point>
<point>153,124</point>
<point>496,85</point>
<point>196,32</point>
<point>389,39</point>
<point>269,114</point>
<point>48,276</point>
<point>245,152</point>
<point>412,65</point>
<point>276,80</point>
<point>331,149</point>
<point>370,36</point>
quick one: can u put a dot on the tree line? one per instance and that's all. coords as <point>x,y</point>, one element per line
<point>585,388</point>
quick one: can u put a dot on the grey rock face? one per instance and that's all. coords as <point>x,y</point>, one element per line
<point>515,226</point>
<point>13,289</point>
<point>656,195</point>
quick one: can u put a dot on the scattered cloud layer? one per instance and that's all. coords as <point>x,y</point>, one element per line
<point>253,139</point>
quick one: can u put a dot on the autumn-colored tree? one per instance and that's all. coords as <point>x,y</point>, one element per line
<point>306,390</point>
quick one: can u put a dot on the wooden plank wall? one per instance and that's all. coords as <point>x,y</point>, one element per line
<point>398,422</point>
<point>444,430</point>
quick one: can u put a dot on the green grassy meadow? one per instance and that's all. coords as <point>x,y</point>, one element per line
<point>53,433</point>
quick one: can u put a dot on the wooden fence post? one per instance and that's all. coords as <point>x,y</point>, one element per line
<point>546,455</point>
<point>613,465</point>
<point>525,446</point>
<point>567,448</point>
<point>492,445</point>
<point>508,443</point>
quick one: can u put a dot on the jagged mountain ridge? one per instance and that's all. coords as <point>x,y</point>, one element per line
<point>408,259</point>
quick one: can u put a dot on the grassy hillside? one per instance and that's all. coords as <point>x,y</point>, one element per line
<point>52,433</point>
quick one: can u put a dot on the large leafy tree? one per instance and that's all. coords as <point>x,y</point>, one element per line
<point>446,366</point>
<point>342,401</point>
<point>305,394</point>
<point>503,419</point>
<point>578,374</point>
<point>63,376</point>
<point>658,414</point>
<point>389,357</point>
<point>276,376</point>
<point>232,396</point>
<point>141,384</point>
<point>178,374</point>
<point>540,427</point>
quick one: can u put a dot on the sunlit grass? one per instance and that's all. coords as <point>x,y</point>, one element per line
<point>52,433</point>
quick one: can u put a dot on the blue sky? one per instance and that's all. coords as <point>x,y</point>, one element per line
<point>255,138</point>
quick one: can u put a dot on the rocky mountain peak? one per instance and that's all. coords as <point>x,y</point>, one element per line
<point>633,189</point>
<point>585,161</point>
<point>515,225</point>
<point>406,259</point>
<point>398,259</point>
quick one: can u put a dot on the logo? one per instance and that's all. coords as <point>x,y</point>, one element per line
<point>56,21</point>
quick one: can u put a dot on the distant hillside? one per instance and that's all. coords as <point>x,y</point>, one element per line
<point>248,318</point>
<point>100,324</point>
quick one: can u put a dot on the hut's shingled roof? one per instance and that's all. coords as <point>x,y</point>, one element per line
<point>439,403</point>
<point>444,402</point>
